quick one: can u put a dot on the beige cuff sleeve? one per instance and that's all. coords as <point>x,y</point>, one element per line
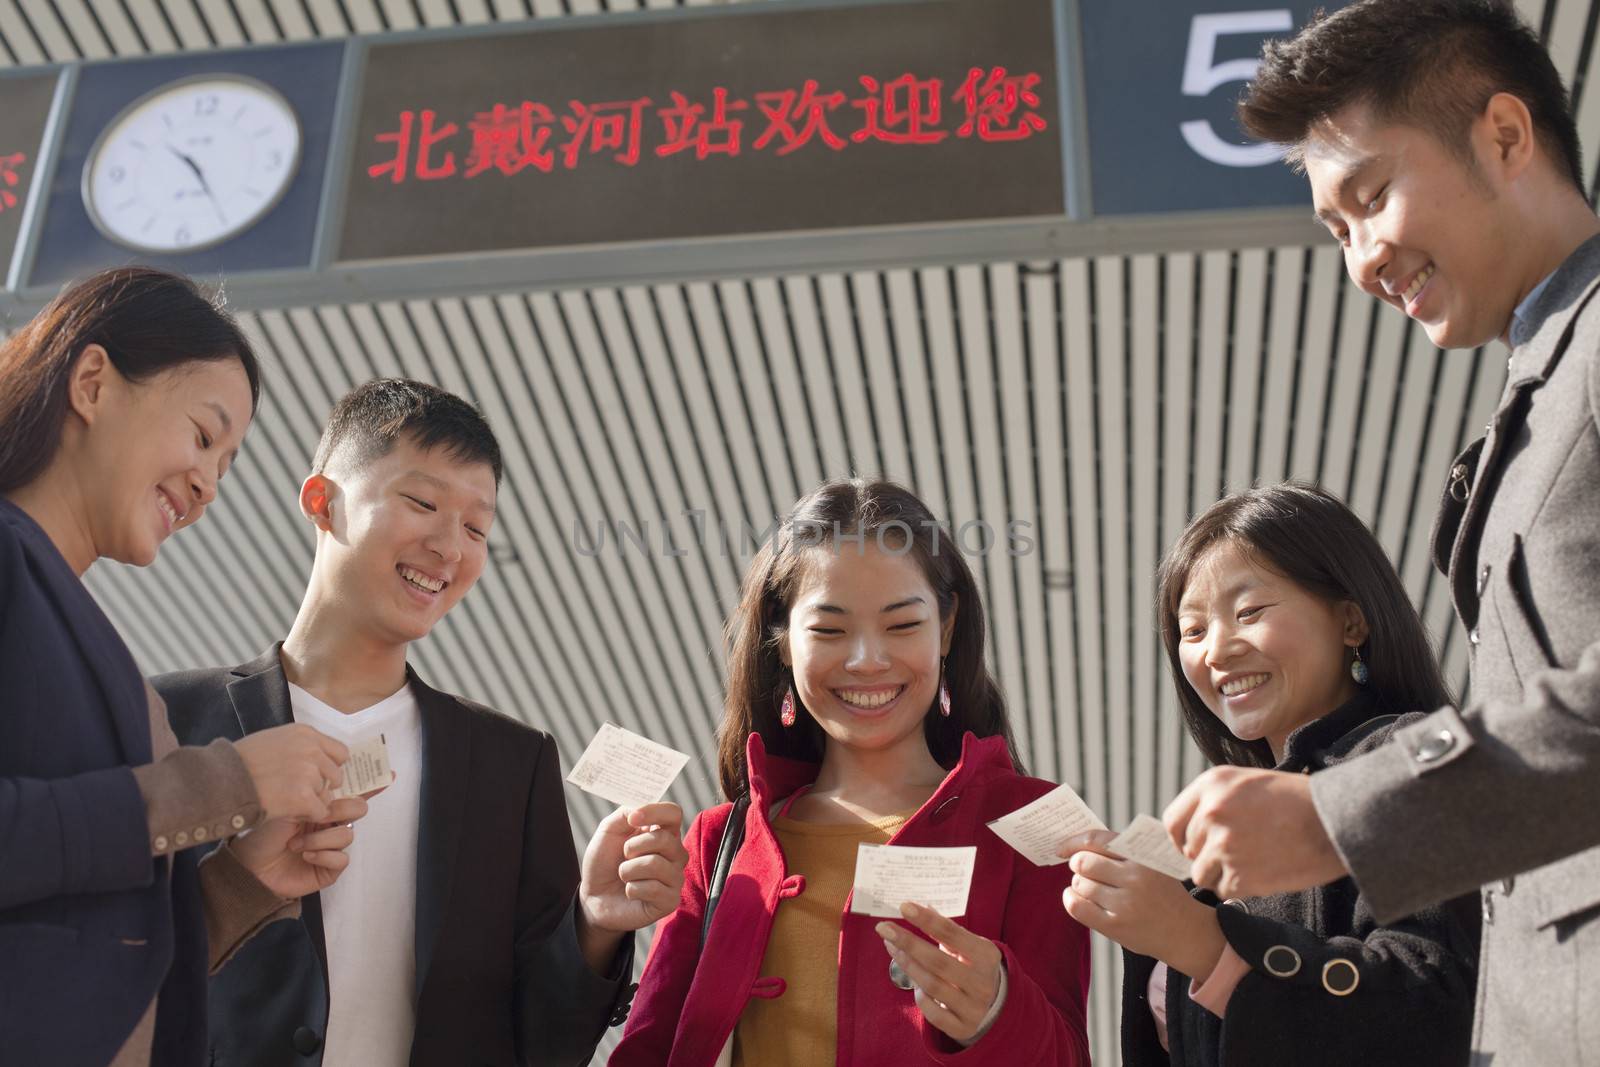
<point>194,795</point>
<point>237,905</point>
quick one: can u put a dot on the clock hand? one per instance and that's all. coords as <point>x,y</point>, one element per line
<point>205,187</point>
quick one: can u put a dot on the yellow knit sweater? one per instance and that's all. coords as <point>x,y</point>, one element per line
<point>800,1028</point>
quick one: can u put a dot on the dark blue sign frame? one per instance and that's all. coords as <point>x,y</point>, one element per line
<point>1161,80</point>
<point>308,76</point>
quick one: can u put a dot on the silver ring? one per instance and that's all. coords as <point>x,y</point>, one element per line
<point>898,976</point>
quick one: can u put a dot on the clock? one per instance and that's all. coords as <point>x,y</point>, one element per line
<point>193,164</point>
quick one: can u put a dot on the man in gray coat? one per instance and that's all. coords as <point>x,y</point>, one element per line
<point>1442,154</point>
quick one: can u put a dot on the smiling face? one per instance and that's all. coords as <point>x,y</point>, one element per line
<point>150,454</point>
<point>864,643</point>
<point>1422,230</point>
<point>1262,653</point>
<point>404,536</point>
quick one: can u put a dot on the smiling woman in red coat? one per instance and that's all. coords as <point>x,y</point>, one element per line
<point>860,711</point>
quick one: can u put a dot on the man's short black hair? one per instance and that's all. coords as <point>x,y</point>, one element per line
<point>1430,64</point>
<point>370,419</point>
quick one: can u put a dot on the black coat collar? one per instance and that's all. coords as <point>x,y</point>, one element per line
<point>1323,741</point>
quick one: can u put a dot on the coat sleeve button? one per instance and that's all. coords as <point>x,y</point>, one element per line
<point>160,843</point>
<point>1435,745</point>
<point>306,1040</point>
<point>1340,977</point>
<point>237,822</point>
<point>1281,961</point>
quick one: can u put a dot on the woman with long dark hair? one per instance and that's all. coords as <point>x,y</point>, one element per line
<point>1292,644</point>
<point>121,406</point>
<point>859,712</point>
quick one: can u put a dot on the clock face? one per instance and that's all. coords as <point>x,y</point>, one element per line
<point>192,164</point>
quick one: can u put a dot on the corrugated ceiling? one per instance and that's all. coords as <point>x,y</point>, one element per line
<point>1101,401</point>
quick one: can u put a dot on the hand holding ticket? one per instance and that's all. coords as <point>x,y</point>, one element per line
<point>888,876</point>
<point>624,768</point>
<point>1146,841</point>
<point>1040,829</point>
<point>366,769</point>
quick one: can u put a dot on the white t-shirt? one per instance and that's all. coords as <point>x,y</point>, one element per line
<point>369,916</point>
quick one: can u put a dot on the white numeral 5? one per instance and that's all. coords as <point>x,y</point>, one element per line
<point>1201,74</point>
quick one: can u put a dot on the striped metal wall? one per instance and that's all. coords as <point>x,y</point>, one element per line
<point>1102,401</point>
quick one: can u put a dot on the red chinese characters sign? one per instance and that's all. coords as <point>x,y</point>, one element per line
<point>989,105</point>
<point>25,102</point>
<point>10,179</point>
<point>768,119</point>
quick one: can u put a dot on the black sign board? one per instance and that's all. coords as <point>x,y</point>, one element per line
<point>1162,78</point>
<point>22,120</point>
<point>771,118</point>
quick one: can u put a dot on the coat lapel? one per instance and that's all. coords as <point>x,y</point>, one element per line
<point>114,669</point>
<point>260,693</point>
<point>1555,314</point>
<point>260,696</point>
<point>102,648</point>
<point>446,763</point>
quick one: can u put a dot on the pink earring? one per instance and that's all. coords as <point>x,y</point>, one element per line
<point>944,692</point>
<point>786,712</point>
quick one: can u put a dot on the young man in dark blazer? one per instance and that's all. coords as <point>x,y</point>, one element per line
<point>460,933</point>
<point>1443,156</point>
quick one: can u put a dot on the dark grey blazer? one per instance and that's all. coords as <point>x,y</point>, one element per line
<point>1505,793</point>
<point>500,978</point>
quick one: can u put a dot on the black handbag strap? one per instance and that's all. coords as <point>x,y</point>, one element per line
<point>732,838</point>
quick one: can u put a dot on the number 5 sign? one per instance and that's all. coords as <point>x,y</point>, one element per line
<point>1161,79</point>
<point>1201,74</point>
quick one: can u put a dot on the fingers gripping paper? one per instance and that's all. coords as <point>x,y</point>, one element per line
<point>1038,830</point>
<point>888,876</point>
<point>624,768</point>
<point>366,769</point>
<point>1146,841</point>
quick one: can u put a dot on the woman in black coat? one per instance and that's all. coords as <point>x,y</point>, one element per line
<point>121,407</point>
<point>1293,645</point>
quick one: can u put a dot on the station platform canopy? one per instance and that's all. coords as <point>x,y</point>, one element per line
<point>693,259</point>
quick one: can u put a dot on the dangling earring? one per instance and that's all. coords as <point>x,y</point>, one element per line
<point>1358,669</point>
<point>786,712</point>
<point>944,691</point>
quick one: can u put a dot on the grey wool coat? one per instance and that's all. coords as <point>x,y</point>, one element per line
<point>1505,792</point>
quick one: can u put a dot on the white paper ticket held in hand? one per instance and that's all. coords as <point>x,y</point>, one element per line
<point>366,769</point>
<point>1038,830</point>
<point>1146,841</point>
<point>888,876</point>
<point>624,768</point>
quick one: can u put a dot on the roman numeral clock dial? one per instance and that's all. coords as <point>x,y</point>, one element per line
<point>193,164</point>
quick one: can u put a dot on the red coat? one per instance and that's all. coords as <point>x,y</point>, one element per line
<point>689,1000</point>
